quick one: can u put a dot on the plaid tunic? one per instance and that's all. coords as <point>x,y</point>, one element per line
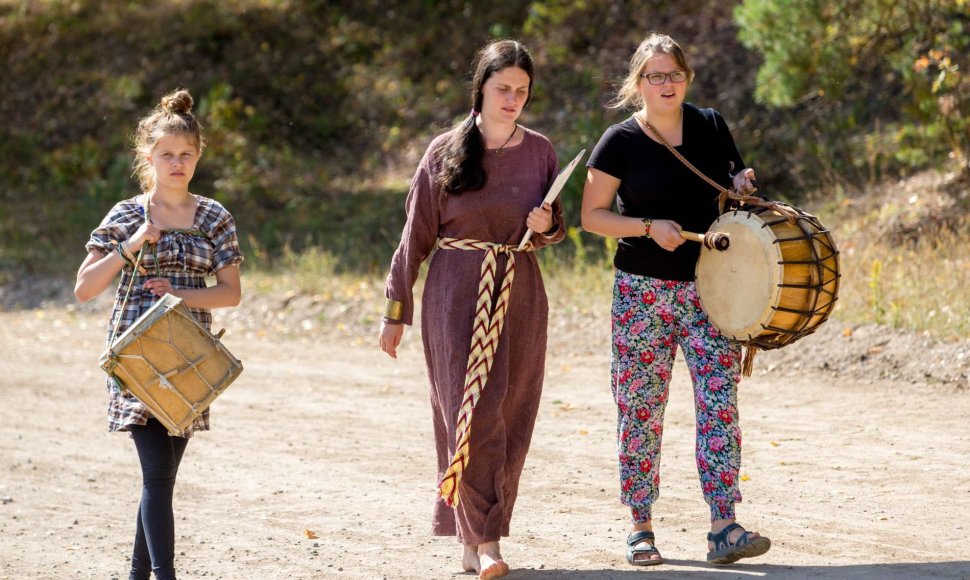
<point>185,257</point>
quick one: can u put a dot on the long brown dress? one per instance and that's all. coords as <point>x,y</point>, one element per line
<point>505,415</point>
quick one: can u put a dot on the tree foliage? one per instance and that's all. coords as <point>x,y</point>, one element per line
<point>317,110</point>
<point>890,76</point>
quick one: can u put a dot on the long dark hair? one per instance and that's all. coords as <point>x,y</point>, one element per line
<point>461,156</point>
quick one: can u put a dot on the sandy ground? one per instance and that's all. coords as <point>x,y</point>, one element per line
<point>850,478</point>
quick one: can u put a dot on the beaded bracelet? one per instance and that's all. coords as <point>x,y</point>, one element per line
<point>647,222</point>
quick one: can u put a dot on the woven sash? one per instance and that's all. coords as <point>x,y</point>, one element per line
<point>486,331</point>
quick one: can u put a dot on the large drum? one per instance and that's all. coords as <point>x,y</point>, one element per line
<point>777,282</point>
<point>171,363</point>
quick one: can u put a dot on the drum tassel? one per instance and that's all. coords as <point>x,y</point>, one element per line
<point>747,363</point>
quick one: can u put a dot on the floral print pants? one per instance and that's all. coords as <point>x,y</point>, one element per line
<point>650,318</point>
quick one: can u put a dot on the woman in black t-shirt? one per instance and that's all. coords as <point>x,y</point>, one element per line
<point>655,302</point>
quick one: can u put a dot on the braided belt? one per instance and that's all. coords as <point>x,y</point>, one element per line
<point>486,331</point>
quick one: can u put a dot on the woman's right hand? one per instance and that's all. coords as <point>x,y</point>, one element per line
<point>148,233</point>
<point>666,233</point>
<point>391,334</point>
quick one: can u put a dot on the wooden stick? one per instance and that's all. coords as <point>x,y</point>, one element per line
<point>712,240</point>
<point>553,193</point>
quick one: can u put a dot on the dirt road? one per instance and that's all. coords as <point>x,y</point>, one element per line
<point>849,479</point>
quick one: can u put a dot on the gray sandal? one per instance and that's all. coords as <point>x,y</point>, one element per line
<point>632,551</point>
<point>746,546</point>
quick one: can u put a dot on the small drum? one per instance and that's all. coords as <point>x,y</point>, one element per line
<point>171,363</point>
<point>777,282</point>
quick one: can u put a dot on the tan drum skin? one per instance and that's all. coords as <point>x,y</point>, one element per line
<point>777,281</point>
<point>171,363</point>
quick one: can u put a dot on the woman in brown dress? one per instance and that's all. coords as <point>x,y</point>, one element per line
<point>477,189</point>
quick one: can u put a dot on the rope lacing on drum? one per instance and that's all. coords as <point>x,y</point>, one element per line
<point>790,213</point>
<point>816,311</point>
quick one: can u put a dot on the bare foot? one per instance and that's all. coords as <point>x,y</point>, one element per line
<point>492,565</point>
<point>470,561</point>
<point>493,570</point>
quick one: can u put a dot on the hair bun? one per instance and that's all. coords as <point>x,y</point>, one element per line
<point>179,102</point>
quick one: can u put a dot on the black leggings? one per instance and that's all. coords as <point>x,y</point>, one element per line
<point>160,456</point>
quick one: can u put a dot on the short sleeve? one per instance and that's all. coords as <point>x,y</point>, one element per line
<point>730,148</point>
<point>608,155</point>
<point>225,243</point>
<point>121,223</point>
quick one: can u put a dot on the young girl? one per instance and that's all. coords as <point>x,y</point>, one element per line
<point>477,189</point>
<point>182,239</point>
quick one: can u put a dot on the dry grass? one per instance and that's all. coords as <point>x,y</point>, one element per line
<point>905,263</point>
<point>923,287</point>
<point>905,257</point>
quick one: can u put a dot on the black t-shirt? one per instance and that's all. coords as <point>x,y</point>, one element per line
<point>655,184</point>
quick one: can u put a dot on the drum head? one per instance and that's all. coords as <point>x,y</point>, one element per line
<point>739,286</point>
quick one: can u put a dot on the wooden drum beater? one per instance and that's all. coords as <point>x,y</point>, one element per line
<point>719,241</point>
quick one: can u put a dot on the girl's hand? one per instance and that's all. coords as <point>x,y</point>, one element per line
<point>391,335</point>
<point>666,233</point>
<point>540,219</point>
<point>148,233</point>
<point>744,182</point>
<point>160,286</point>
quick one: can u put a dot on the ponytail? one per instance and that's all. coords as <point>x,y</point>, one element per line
<point>461,158</point>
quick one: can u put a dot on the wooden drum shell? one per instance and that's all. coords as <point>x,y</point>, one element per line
<point>777,282</point>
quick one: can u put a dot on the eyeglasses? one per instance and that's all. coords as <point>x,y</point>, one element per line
<point>678,76</point>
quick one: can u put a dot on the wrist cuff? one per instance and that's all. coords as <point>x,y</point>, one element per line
<point>393,310</point>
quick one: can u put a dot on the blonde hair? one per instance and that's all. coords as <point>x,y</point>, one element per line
<point>628,94</point>
<point>172,116</point>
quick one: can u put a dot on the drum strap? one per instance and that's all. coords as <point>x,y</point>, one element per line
<point>726,194</point>
<point>486,330</point>
<point>137,269</point>
<point>747,363</point>
<point>131,282</point>
<point>124,302</point>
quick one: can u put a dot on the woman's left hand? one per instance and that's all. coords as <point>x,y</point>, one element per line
<point>159,286</point>
<point>540,219</point>
<point>744,182</point>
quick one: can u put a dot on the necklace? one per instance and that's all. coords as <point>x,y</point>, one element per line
<point>501,150</point>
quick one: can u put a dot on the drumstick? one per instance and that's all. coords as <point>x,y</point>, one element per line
<point>719,241</point>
